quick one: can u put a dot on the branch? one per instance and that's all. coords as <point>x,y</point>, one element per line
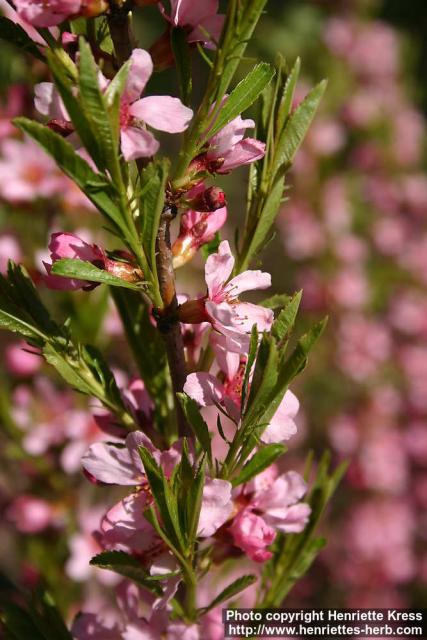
<point>168,322</point>
<point>119,23</point>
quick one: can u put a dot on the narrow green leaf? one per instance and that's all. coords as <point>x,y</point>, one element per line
<point>181,53</point>
<point>260,461</point>
<point>78,116</point>
<point>278,301</point>
<point>285,105</point>
<point>152,199</point>
<point>286,318</point>
<point>297,126</point>
<point>94,105</point>
<point>233,589</point>
<point>127,566</point>
<point>197,423</point>
<point>243,96</point>
<point>82,270</point>
<point>18,623</point>
<point>70,373</point>
<point>112,98</point>
<point>15,34</point>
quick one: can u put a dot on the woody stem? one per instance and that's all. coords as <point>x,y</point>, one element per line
<point>168,322</point>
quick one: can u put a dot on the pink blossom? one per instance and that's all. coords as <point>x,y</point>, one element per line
<point>27,173</point>
<point>208,391</point>
<point>200,20</point>
<point>196,229</point>
<point>31,514</point>
<point>251,533</point>
<point>160,112</point>
<point>229,149</point>
<point>46,14</point>
<point>9,250</point>
<point>222,307</point>
<point>111,464</point>
<point>216,508</point>
<point>163,113</point>
<point>21,360</point>
<point>68,245</point>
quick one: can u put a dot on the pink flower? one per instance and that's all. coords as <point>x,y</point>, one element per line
<point>68,245</point>
<point>111,464</point>
<point>40,13</point>
<point>20,360</point>
<point>31,514</point>
<point>27,173</point>
<point>196,230</point>
<point>252,535</point>
<point>9,250</point>
<point>222,307</point>
<point>228,149</point>
<point>199,19</point>
<point>217,506</point>
<point>270,505</point>
<point>208,391</point>
<point>160,112</point>
<point>163,113</point>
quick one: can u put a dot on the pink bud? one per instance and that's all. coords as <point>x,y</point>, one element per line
<point>252,535</point>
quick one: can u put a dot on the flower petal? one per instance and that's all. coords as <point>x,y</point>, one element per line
<point>217,506</point>
<point>204,389</point>
<point>140,71</point>
<point>110,464</point>
<point>247,281</point>
<point>247,151</point>
<point>137,142</point>
<point>163,113</point>
<point>218,269</point>
<point>282,426</point>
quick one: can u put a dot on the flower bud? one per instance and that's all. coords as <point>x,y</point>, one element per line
<point>124,270</point>
<point>93,8</point>
<point>63,128</point>
<point>197,228</point>
<point>209,200</point>
<point>193,312</point>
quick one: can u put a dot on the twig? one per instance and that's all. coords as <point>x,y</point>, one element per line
<point>168,322</point>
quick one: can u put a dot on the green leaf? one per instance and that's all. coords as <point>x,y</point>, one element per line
<point>260,461</point>
<point>46,616</point>
<point>82,270</point>
<point>151,203</point>
<point>163,497</point>
<point>181,53</point>
<point>243,96</point>
<point>127,566</point>
<point>264,379</point>
<point>94,106</point>
<point>92,184</point>
<point>80,119</point>
<point>18,623</point>
<point>197,423</point>
<point>286,101</point>
<point>278,301</point>
<point>286,318</point>
<point>15,34</point>
<point>112,97</point>
<point>297,126</point>
<point>71,374</point>
<point>233,589</point>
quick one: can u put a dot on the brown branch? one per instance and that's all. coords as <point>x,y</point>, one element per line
<point>119,23</point>
<point>168,322</point>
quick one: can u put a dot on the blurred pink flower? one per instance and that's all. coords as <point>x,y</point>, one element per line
<point>9,250</point>
<point>22,360</point>
<point>40,13</point>
<point>200,20</point>
<point>27,173</point>
<point>31,514</point>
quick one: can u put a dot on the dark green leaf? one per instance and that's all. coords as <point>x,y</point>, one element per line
<point>197,423</point>
<point>285,105</point>
<point>278,301</point>
<point>243,96</point>
<point>233,589</point>
<point>81,270</point>
<point>127,566</point>
<point>15,34</point>
<point>152,198</point>
<point>260,461</point>
<point>181,53</point>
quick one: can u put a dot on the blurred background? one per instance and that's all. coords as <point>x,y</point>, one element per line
<point>353,236</point>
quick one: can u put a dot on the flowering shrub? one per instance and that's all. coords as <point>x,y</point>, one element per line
<point>184,403</point>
